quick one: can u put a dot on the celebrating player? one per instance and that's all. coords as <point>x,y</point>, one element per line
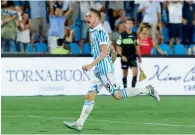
<point>128,50</point>
<point>104,72</point>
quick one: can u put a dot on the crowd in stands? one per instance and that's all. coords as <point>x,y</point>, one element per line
<point>59,27</point>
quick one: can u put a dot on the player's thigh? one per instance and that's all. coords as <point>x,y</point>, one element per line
<point>109,82</point>
<point>124,65</point>
<point>96,85</point>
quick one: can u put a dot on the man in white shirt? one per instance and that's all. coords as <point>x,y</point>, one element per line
<point>151,11</point>
<point>175,21</point>
<point>105,24</point>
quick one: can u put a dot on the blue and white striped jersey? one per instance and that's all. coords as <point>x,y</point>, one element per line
<point>100,37</point>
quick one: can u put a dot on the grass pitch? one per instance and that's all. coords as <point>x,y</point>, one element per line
<point>45,115</point>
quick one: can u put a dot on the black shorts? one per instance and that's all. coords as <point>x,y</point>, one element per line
<point>130,63</point>
<point>175,30</point>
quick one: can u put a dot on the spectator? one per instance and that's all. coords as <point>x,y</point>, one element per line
<point>116,33</point>
<point>8,25</point>
<point>23,33</point>
<point>146,43</point>
<point>105,23</point>
<point>159,35</point>
<point>113,10</point>
<point>61,47</point>
<point>57,21</point>
<point>74,15</point>
<point>151,14</point>
<point>38,19</point>
<point>175,21</point>
<point>84,8</point>
<point>121,18</point>
<point>188,21</point>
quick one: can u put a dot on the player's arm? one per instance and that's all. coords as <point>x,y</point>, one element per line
<point>113,53</point>
<point>119,49</point>
<point>104,54</point>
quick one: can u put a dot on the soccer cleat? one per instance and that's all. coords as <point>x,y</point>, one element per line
<point>73,125</point>
<point>153,93</point>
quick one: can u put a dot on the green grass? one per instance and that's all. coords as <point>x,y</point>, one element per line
<point>20,115</point>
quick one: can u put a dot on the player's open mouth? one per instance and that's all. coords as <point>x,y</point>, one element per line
<point>88,22</point>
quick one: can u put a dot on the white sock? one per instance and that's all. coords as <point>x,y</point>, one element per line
<point>130,92</point>
<point>87,108</point>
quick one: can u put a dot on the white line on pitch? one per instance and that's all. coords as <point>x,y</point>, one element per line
<point>112,121</point>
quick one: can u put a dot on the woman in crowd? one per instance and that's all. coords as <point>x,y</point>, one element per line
<point>23,33</point>
<point>145,41</point>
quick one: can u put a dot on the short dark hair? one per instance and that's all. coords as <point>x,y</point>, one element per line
<point>60,41</point>
<point>144,26</point>
<point>97,12</point>
<point>147,24</point>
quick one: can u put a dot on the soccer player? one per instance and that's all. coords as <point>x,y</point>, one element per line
<point>104,72</point>
<point>128,50</point>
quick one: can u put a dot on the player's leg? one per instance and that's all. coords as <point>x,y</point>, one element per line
<point>125,73</point>
<point>133,65</point>
<point>121,93</point>
<point>87,107</point>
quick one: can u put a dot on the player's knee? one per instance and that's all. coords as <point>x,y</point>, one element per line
<point>117,95</point>
<point>90,96</point>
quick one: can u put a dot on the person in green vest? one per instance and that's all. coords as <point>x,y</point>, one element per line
<point>61,48</point>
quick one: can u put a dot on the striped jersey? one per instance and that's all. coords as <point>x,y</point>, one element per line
<point>100,37</point>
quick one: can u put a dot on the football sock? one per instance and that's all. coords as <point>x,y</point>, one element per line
<point>134,80</point>
<point>87,108</point>
<point>125,82</point>
<point>130,92</point>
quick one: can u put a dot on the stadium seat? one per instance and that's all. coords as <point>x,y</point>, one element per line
<point>165,32</point>
<point>41,47</point>
<point>37,39</point>
<point>166,48</point>
<point>77,33</point>
<point>154,51</point>
<point>78,20</point>
<point>180,49</point>
<point>87,48</point>
<point>191,48</point>
<point>75,48</point>
<point>134,29</point>
<point>30,48</point>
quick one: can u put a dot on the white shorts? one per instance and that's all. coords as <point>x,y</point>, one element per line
<point>52,42</point>
<point>108,81</point>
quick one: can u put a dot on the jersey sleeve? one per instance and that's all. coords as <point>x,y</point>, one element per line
<point>103,38</point>
<point>119,40</point>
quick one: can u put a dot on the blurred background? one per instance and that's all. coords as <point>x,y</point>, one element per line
<point>59,27</point>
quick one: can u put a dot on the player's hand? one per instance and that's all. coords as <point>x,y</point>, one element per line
<point>139,59</point>
<point>87,67</point>
<point>124,59</point>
